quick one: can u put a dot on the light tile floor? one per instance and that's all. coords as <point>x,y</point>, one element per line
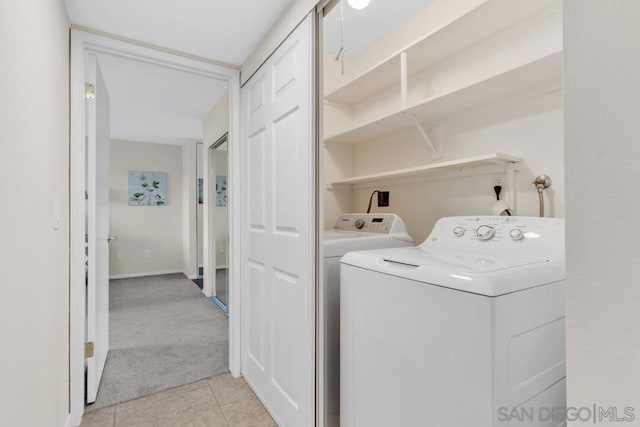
<point>214,402</point>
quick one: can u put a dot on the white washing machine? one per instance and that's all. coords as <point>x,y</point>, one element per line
<point>457,331</point>
<point>352,232</point>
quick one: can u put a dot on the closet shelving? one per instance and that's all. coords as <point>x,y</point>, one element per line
<point>485,52</point>
<point>533,77</point>
<point>462,31</point>
<point>436,167</point>
<point>401,76</point>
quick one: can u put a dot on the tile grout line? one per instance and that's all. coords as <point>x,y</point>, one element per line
<point>253,394</point>
<point>218,402</point>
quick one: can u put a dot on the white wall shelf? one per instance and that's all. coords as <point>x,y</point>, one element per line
<point>443,166</point>
<point>465,30</point>
<point>539,76</point>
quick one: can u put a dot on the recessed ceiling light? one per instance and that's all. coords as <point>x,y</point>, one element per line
<point>359,4</point>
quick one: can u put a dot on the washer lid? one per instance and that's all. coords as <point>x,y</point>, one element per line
<point>475,272</point>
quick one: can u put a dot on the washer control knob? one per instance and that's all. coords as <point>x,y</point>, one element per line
<point>516,234</point>
<point>458,231</point>
<point>485,232</point>
<point>359,223</point>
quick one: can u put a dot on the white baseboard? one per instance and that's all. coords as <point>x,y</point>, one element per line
<point>193,276</point>
<point>144,274</point>
<point>67,423</point>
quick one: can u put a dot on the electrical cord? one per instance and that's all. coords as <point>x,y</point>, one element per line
<point>371,200</point>
<point>498,189</point>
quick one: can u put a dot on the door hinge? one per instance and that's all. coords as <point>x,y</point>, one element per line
<point>89,91</point>
<point>88,349</point>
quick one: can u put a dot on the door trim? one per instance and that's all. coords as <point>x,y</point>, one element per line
<point>210,243</point>
<point>83,43</point>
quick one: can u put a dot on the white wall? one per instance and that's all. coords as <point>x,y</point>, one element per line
<point>189,217</point>
<point>529,128</point>
<point>34,183</point>
<point>157,229</point>
<point>216,123</point>
<point>602,103</point>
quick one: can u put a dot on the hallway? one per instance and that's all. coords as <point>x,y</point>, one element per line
<point>164,333</point>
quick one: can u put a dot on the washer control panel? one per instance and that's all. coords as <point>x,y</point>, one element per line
<point>499,234</point>
<point>485,229</point>
<point>369,223</point>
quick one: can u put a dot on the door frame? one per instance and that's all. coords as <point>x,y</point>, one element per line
<point>210,240</point>
<point>83,43</point>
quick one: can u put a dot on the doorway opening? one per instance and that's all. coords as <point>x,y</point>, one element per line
<point>199,273</point>
<point>151,179</point>
<point>154,329</point>
<point>219,220</point>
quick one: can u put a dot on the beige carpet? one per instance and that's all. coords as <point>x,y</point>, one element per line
<point>163,333</point>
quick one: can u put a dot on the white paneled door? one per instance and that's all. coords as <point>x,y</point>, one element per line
<point>97,109</point>
<point>278,294</point>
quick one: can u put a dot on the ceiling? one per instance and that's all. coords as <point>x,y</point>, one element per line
<point>364,27</point>
<point>150,103</point>
<point>221,30</point>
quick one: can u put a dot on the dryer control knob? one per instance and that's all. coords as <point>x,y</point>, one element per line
<point>458,231</point>
<point>485,232</point>
<point>516,234</point>
<point>359,223</point>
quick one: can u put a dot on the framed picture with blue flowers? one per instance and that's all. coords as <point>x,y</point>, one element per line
<point>147,188</point>
<point>221,190</point>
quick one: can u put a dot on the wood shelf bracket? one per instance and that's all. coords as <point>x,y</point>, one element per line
<point>511,196</point>
<point>422,131</point>
<point>404,79</point>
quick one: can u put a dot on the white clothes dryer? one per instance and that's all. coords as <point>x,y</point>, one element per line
<point>352,232</point>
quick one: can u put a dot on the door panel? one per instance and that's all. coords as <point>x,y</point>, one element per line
<point>257,178</point>
<point>279,232</point>
<point>285,174</point>
<point>255,333</point>
<point>97,226</point>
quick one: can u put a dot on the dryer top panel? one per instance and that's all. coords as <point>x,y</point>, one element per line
<point>358,232</point>
<point>371,223</point>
